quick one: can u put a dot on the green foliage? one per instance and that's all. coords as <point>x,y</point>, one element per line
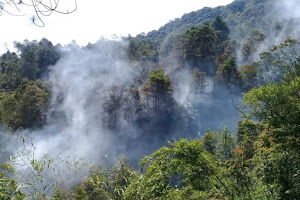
<point>274,153</point>
<point>220,144</point>
<point>199,42</point>
<point>173,46</point>
<point>24,107</point>
<point>251,44</point>
<point>118,100</point>
<point>8,186</point>
<point>143,49</point>
<point>261,162</point>
<point>120,178</point>
<point>222,29</point>
<point>159,82</point>
<point>247,134</point>
<point>10,113</point>
<point>241,16</point>
<point>158,87</point>
<point>46,174</point>
<point>23,103</point>
<point>10,71</point>
<point>106,184</point>
<point>80,193</point>
<point>277,105</point>
<point>249,76</point>
<point>282,62</point>
<point>265,163</point>
<point>171,172</point>
<point>35,58</point>
<point>227,73</point>
<point>94,187</point>
<point>59,194</point>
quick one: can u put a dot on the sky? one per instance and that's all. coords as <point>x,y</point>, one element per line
<point>94,19</point>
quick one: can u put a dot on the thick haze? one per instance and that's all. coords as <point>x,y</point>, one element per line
<point>81,78</point>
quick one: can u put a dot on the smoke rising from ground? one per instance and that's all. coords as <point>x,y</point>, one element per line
<point>79,83</point>
<point>283,22</point>
<point>86,81</point>
<point>81,79</point>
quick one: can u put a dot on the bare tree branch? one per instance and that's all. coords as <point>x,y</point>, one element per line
<point>41,8</point>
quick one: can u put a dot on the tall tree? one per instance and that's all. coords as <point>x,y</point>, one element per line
<point>222,29</point>
<point>227,73</point>
<point>37,57</point>
<point>158,87</point>
<point>113,102</point>
<point>199,42</point>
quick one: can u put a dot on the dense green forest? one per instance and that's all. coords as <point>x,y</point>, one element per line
<point>206,107</point>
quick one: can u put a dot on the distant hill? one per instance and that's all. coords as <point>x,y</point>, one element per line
<point>242,16</point>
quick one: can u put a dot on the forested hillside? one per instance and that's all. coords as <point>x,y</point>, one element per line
<point>242,17</point>
<point>206,107</point>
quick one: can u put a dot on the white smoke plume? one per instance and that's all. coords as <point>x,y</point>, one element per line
<point>79,83</point>
<point>283,22</point>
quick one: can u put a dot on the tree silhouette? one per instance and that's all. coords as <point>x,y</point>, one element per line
<point>41,8</point>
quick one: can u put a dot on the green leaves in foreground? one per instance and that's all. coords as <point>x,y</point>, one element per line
<point>185,170</point>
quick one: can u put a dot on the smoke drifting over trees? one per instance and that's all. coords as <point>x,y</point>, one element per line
<point>130,97</point>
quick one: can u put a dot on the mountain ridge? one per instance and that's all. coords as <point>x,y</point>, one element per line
<point>241,16</point>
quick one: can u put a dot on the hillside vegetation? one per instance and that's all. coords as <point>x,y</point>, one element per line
<point>150,112</point>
